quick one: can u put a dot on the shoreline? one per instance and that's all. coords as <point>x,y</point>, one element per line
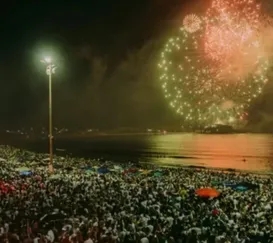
<point>70,156</point>
<point>217,169</point>
<point>64,136</point>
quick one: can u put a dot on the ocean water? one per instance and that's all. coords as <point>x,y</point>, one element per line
<point>236,151</point>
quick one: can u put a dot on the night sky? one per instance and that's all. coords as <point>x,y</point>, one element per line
<point>106,52</point>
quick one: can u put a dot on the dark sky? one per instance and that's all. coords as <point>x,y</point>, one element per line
<point>106,52</point>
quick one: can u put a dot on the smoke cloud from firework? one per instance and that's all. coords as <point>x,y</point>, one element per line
<point>237,38</point>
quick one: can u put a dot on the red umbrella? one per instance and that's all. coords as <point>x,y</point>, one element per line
<point>215,212</point>
<point>207,192</point>
<point>130,171</point>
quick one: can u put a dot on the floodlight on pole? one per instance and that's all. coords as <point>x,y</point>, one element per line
<point>47,59</point>
<point>50,69</point>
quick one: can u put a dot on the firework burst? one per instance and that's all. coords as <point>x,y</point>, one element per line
<point>213,69</point>
<point>196,77</point>
<point>193,91</point>
<point>231,42</point>
<point>192,23</point>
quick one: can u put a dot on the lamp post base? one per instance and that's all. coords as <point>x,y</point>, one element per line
<point>50,169</point>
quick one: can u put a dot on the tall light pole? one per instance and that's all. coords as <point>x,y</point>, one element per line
<point>50,69</point>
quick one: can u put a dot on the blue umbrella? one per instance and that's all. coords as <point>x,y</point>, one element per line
<point>89,168</point>
<point>103,170</point>
<point>25,173</point>
<point>241,188</point>
<point>249,185</point>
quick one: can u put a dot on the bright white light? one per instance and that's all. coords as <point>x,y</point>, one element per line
<point>231,119</point>
<point>47,59</point>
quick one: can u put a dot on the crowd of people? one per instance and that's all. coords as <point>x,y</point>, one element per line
<point>91,201</point>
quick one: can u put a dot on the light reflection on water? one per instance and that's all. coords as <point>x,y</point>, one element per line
<point>238,151</point>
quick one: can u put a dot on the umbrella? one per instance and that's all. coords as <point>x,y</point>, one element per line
<point>131,171</point>
<point>21,169</point>
<point>89,168</point>
<point>248,185</point>
<point>241,188</point>
<point>207,192</point>
<point>157,174</point>
<point>25,173</point>
<point>214,183</point>
<point>103,170</point>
